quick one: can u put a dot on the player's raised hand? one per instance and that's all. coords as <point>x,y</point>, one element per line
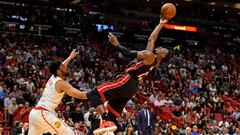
<point>163,20</point>
<point>112,39</point>
<point>73,54</point>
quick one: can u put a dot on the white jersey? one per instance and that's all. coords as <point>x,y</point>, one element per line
<point>50,97</point>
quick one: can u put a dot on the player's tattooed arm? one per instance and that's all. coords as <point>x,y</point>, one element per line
<point>154,34</point>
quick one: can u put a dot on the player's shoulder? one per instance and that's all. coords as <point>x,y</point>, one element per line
<point>147,52</point>
<point>61,82</point>
<point>62,85</point>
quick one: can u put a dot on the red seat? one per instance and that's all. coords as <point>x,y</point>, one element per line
<point>218,116</point>
<point>7,130</point>
<point>228,119</point>
<point>208,112</point>
<point>167,109</point>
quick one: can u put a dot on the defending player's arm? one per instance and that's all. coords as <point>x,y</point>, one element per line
<point>73,54</point>
<point>154,34</point>
<point>70,90</point>
<point>146,55</point>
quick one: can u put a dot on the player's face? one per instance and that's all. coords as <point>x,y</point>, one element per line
<point>161,53</point>
<point>158,53</point>
<point>63,69</point>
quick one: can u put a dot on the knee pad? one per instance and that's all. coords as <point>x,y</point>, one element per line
<point>94,97</point>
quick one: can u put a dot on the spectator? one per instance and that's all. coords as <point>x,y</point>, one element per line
<point>130,130</point>
<point>236,114</point>
<point>225,131</point>
<point>86,117</point>
<point>67,113</point>
<point>2,92</point>
<point>8,100</point>
<point>18,129</point>
<point>132,121</point>
<point>76,129</point>
<point>11,109</point>
<point>177,112</point>
<point>94,119</point>
<point>188,131</point>
<point>25,129</point>
<point>195,130</point>
<point>82,128</point>
<point>237,132</point>
<point>20,98</point>
<point>171,130</point>
<point>160,101</point>
<point>17,115</point>
<point>145,120</point>
<point>61,107</point>
<point>168,102</point>
<point>216,98</point>
<point>153,97</point>
<point>1,130</point>
<point>24,112</point>
<point>77,115</point>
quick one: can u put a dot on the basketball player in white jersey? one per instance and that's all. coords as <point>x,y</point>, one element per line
<point>42,119</point>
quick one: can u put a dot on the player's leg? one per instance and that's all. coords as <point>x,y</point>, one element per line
<point>111,91</point>
<point>115,109</point>
<point>55,125</point>
<point>96,101</point>
<point>34,121</point>
<point>41,122</point>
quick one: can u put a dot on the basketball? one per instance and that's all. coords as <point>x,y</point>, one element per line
<point>168,10</point>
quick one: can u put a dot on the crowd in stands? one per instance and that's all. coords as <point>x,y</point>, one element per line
<point>190,85</point>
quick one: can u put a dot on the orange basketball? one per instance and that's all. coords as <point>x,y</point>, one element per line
<point>168,10</point>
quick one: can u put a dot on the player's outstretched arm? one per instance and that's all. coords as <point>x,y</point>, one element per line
<point>146,55</point>
<point>154,34</point>
<point>126,52</point>
<point>73,54</point>
<point>62,86</point>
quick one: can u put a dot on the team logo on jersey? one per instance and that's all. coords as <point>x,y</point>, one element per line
<point>57,124</point>
<point>49,82</point>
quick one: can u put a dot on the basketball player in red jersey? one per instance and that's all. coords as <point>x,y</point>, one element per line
<point>119,91</point>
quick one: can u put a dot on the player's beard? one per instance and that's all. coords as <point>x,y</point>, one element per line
<point>66,74</point>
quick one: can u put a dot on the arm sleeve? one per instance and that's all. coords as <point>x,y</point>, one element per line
<point>126,52</point>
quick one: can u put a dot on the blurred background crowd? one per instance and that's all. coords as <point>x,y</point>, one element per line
<point>197,91</point>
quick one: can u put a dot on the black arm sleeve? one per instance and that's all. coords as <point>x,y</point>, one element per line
<point>126,52</point>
